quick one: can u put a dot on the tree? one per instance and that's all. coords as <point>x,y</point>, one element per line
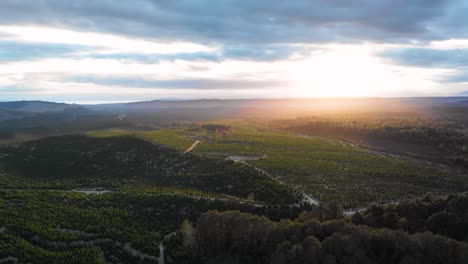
<point>188,233</point>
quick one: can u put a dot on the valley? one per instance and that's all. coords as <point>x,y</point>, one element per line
<point>136,189</point>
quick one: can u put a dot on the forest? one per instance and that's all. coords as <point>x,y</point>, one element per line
<point>446,136</point>
<point>244,238</point>
<point>423,235</point>
<point>74,227</point>
<point>443,216</point>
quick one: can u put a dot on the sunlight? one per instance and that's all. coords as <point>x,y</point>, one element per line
<point>354,71</point>
<point>347,71</point>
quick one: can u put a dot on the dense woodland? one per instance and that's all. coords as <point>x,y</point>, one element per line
<point>243,238</point>
<point>72,227</point>
<point>56,226</point>
<point>448,137</point>
<point>235,237</point>
<point>443,216</point>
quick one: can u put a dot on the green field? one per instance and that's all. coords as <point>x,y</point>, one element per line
<point>326,169</point>
<point>175,138</point>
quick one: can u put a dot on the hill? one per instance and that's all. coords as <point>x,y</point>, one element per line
<point>6,114</point>
<point>56,123</point>
<point>37,106</point>
<point>291,105</point>
<point>18,115</point>
<point>84,161</point>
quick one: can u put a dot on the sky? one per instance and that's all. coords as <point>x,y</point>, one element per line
<point>132,50</point>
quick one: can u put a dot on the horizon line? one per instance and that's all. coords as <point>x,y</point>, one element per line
<point>91,102</point>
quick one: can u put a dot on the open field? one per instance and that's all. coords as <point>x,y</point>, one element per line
<point>323,168</point>
<point>174,138</point>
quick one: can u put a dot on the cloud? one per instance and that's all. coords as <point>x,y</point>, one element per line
<point>17,51</point>
<point>454,59</point>
<point>182,83</point>
<point>460,76</point>
<point>259,52</point>
<point>245,21</point>
<point>309,48</point>
<point>155,58</point>
<point>30,42</point>
<point>427,57</point>
<point>107,42</point>
<point>18,89</point>
<point>228,52</point>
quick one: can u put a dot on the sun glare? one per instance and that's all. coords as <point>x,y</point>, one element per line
<point>355,71</point>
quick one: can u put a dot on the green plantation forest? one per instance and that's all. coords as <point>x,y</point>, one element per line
<point>234,182</point>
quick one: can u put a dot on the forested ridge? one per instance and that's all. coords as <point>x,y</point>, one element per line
<point>81,159</point>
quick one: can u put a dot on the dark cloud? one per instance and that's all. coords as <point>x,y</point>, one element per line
<point>182,83</point>
<point>246,21</point>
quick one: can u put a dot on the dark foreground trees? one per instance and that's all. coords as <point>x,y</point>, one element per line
<point>445,216</point>
<point>234,237</point>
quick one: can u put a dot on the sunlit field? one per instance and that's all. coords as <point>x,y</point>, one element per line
<point>326,169</point>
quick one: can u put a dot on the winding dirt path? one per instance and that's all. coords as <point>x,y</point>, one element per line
<point>192,146</point>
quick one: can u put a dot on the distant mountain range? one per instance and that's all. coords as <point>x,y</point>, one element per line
<point>37,106</point>
<point>281,107</point>
<point>203,109</point>
<point>21,109</point>
<point>45,106</point>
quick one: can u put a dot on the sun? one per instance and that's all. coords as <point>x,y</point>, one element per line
<point>342,71</point>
